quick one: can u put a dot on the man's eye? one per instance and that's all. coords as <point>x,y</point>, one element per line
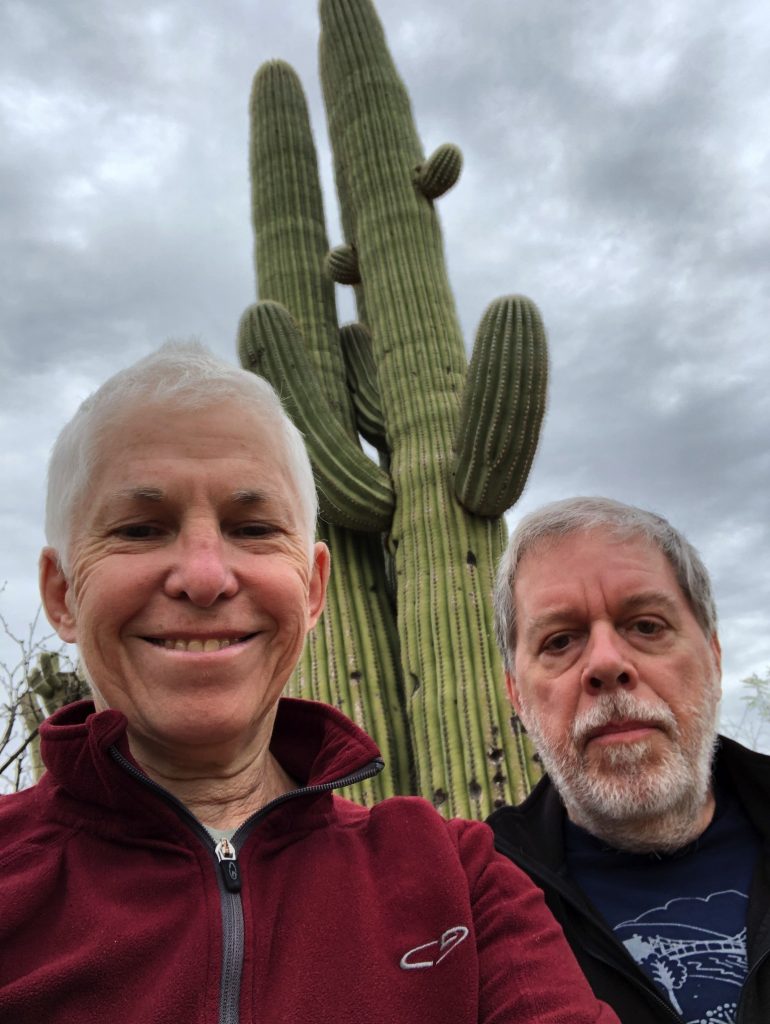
<point>557,643</point>
<point>648,627</point>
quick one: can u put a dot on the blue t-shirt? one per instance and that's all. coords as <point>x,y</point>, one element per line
<point>681,916</point>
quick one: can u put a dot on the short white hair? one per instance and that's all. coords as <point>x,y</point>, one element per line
<point>574,515</point>
<point>182,375</point>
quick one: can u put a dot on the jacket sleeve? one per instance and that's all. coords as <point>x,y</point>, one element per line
<point>527,972</point>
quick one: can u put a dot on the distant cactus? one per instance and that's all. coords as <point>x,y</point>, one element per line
<point>418,536</point>
<point>45,688</point>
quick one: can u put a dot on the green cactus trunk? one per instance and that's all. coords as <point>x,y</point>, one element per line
<point>351,659</point>
<point>403,382</point>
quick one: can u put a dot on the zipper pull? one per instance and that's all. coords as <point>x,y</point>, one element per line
<point>228,864</point>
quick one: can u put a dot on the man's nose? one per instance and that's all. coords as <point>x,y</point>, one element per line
<point>201,570</point>
<point>606,661</point>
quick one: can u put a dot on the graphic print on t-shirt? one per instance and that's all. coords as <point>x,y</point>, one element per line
<point>682,948</point>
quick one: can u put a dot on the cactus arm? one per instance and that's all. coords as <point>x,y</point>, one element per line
<point>51,686</point>
<point>290,241</point>
<point>502,407</point>
<point>352,491</point>
<point>54,686</point>
<point>356,343</point>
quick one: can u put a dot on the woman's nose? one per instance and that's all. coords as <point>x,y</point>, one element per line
<point>201,570</point>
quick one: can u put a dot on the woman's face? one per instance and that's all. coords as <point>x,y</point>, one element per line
<point>190,591</point>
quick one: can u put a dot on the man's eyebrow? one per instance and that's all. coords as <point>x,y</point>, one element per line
<point>556,616</point>
<point>648,598</point>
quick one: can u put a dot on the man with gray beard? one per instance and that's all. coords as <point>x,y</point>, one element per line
<point>649,833</point>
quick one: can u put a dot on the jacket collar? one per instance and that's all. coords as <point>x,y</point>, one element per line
<point>534,828</point>
<point>313,742</point>
<point>748,774</point>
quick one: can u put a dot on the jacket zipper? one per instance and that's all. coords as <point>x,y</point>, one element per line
<point>225,854</point>
<point>228,864</point>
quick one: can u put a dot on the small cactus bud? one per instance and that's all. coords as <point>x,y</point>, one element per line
<point>342,265</point>
<point>440,171</point>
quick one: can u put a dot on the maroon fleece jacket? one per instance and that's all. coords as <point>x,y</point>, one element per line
<point>114,907</point>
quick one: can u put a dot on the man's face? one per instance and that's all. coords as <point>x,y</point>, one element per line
<point>614,678</point>
<point>190,592</point>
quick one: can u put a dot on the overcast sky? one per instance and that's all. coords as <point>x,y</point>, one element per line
<point>616,171</point>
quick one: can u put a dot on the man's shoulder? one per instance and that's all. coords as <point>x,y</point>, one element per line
<point>531,832</point>
<point>542,807</point>
<point>747,772</point>
<point>731,750</point>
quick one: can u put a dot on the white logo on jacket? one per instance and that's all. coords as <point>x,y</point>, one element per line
<point>436,950</point>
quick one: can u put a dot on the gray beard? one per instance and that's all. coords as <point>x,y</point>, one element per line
<point>629,796</point>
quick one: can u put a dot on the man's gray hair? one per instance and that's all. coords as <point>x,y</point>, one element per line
<point>183,375</point>
<point>574,515</point>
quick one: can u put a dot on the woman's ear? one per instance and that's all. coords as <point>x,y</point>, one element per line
<point>319,580</point>
<point>55,595</point>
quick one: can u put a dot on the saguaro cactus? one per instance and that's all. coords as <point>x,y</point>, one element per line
<point>47,687</point>
<point>455,443</point>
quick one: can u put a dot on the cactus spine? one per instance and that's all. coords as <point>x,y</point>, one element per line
<point>455,449</point>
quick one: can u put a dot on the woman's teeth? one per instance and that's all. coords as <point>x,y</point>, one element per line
<point>197,646</point>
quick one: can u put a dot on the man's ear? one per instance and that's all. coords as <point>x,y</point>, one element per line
<point>513,694</point>
<point>319,580</point>
<point>716,650</point>
<point>55,594</point>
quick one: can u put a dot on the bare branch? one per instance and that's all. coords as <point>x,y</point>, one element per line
<point>32,736</point>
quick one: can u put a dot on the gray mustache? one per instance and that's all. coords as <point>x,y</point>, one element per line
<point>621,706</point>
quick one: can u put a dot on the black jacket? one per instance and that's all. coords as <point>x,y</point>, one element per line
<point>532,835</point>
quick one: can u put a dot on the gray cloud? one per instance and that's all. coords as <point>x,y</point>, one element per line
<point>616,162</point>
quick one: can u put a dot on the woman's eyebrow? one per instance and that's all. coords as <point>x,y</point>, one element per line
<point>249,497</point>
<point>141,493</point>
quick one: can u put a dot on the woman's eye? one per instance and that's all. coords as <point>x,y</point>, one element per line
<point>138,531</point>
<point>251,530</point>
